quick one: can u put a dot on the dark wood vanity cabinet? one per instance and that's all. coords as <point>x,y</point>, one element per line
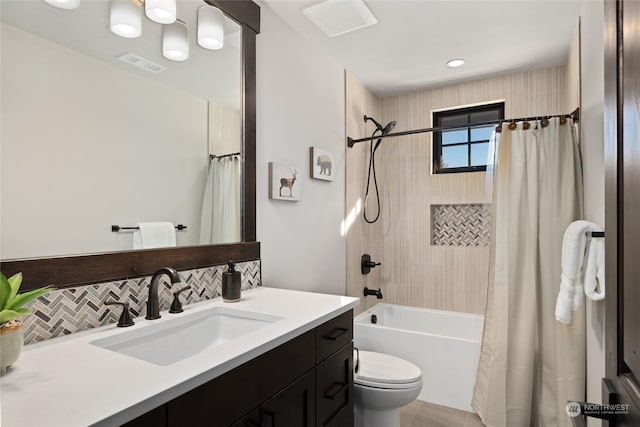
<point>293,406</point>
<point>156,417</point>
<point>334,388</point>
<point>305,382</point>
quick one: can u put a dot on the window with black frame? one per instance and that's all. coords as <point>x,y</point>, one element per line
<point>464,149</point>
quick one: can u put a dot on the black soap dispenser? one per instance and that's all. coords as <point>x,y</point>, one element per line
<point>231,284</point>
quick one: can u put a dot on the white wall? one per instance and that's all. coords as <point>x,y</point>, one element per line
<point>300,103</point>
<point>86,145</point>
<point>592,138</point>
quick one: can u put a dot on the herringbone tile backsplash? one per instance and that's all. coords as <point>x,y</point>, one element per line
<point>69,310</point>
<point>461,225</point>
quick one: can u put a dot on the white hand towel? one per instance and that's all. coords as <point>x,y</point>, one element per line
<point>564,301</point>
<point>154,235</point>
<point>594,271</point>
<point>571,294</point>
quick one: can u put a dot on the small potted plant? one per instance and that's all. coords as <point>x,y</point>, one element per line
<point>12,307</point>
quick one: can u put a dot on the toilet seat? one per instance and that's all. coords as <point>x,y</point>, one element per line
<point>380,370</point>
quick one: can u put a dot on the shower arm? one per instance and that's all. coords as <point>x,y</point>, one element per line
<point>575,115</point>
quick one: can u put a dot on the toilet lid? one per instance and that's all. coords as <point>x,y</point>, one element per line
<point>382,368</point>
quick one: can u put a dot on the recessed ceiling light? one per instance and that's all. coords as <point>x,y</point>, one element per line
<point>455,63</point>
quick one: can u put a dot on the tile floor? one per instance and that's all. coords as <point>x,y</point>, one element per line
<point>424,414</point>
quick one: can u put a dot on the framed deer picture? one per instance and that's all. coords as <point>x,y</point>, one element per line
<point>322,164</point>
<point>285,182</point>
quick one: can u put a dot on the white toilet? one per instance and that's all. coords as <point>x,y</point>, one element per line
<point>382,385</point>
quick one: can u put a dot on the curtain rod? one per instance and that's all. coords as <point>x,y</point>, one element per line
<point>575,115</point>
<point>213,156</point>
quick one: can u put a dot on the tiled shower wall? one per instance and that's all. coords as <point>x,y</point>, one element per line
<point>69,310</point>
<point>417,269</point>
<point>461,225</point>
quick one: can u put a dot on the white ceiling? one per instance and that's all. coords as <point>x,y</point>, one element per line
<point>408,48</point>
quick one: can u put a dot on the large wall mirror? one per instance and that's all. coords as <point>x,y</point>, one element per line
<point>101,130</point>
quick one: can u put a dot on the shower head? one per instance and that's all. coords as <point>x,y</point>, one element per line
<point>389,127</point>
<point>385,131</point>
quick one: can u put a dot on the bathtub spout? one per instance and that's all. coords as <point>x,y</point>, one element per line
<point>377,293</point>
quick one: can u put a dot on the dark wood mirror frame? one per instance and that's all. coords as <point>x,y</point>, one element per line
<point>66,271</point>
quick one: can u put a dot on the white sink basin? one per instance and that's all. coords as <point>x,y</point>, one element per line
<point>171,341</point>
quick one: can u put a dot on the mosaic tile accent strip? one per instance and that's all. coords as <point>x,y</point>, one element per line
<point>69,310</point>
<point>461,225</point>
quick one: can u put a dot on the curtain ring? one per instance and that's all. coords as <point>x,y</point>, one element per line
<point>498,128</point>
<point>512,125</point>
<point>526,125</point>
<point>544,122</point>
<point>563,120</point>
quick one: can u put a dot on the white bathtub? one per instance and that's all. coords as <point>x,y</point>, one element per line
<point>445,345</point>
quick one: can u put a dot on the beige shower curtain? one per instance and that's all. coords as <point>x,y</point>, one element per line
<point>530,364</point>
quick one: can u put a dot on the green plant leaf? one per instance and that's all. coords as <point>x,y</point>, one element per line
<point>5,291</point>
<point>6,315</point>
<point>22,299</point>
<point>15,281</point>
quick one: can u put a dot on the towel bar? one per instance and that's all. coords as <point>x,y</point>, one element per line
<point>116,228</point>
<point>595,233</point>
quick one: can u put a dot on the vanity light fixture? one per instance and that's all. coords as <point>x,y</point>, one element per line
<point>175,41</point>
<point>64,4</point>
<point>455,63</point>
<point>161,11</point>
<point>210,28</point>
<point>125,18</point>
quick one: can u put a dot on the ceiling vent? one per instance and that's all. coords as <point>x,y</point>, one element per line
<point>336,17</point>
<point>140,62</point>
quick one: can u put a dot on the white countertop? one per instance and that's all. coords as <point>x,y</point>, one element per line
<point>69,382</point>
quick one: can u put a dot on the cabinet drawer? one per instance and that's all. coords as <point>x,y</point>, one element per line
<point>224,400</point>
<point>334,389</point>
<point>333,335</point>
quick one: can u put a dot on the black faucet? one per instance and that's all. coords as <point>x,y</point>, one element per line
<point>153,309</point>
<point>377,293</point>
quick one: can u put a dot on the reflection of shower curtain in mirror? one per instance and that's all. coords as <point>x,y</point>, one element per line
<point>220,220</point>
<point>530,364</point>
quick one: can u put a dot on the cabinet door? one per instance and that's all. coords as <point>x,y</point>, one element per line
<point>294,406</point>
<point>154,418</point>
<point>334,388</point>
<point>250,420</point>
<point>224,400</point>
